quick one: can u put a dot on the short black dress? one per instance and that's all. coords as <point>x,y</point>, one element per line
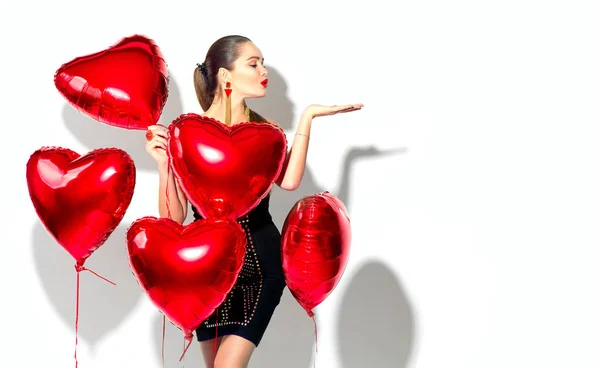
<point>248,308</point>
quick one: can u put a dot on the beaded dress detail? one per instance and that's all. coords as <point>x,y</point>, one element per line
<point>240,304</point>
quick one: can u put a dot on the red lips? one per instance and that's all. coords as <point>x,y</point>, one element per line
<point>264,83</point>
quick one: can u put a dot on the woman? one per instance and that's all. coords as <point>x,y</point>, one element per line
<point>233,71</point>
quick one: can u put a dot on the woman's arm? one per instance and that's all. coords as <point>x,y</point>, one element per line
<point>177,203</point>
<point>156,146</point>
<point>295,161</point>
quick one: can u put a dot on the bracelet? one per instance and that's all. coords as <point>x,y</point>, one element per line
<point>303,135</point>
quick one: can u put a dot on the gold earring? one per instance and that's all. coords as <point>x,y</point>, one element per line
<point>228,104</point>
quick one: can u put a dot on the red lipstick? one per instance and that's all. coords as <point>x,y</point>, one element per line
<point>264,83</point>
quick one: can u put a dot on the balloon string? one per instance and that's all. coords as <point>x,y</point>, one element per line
<point>316,341</point>
<point>167,191</point>
<point>216,332</point>
<point>186,348</point>
<point>76,317</point>
<point>80,268</point>
<point>163,341</point>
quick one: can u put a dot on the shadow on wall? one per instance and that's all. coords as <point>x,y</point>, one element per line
<point>102,306</point>
<point>276,105</point>
<point>376,325</point>
<point>93,134</point>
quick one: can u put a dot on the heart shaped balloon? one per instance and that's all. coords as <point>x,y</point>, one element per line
<point>225,171</point>
<point>187,271</point>
<point>125,85</point>
<point>80,199</point>
<point>315,241</point>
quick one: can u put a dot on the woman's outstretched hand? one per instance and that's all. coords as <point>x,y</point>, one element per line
<point>320,110</point>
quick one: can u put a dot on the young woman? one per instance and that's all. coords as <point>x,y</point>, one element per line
<point>235,63</point>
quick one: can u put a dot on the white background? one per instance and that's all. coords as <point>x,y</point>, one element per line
<point>470,177</point>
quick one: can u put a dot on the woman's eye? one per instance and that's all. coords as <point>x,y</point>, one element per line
<point>254,66</point>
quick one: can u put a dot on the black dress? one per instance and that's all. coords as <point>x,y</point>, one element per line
<point>248,308</point>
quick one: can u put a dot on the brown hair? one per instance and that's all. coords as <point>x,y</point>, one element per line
<point>221,54</point>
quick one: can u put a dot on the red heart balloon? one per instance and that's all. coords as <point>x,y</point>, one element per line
<point>186,271</point>
<point>80,199</point>
<point>125,85</point>
<point>225,171</point>
<point>315,241</point>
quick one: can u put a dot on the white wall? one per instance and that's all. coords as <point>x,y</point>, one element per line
<point>470,176</point>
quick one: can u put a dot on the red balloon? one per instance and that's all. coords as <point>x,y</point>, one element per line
<point>125,85</point>
<point>187,271</point>
<point>315,241</point>
<point>225,171</point>
<point>80,199</point>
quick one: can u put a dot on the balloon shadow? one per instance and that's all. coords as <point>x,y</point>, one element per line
<point>376,324</point>
<point>94,134</point>
<point>102,306</point>
<point>289,339</point>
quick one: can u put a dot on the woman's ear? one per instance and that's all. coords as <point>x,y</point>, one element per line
<point>224,75</point>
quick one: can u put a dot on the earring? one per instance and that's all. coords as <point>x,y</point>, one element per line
<point>228,104</point>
